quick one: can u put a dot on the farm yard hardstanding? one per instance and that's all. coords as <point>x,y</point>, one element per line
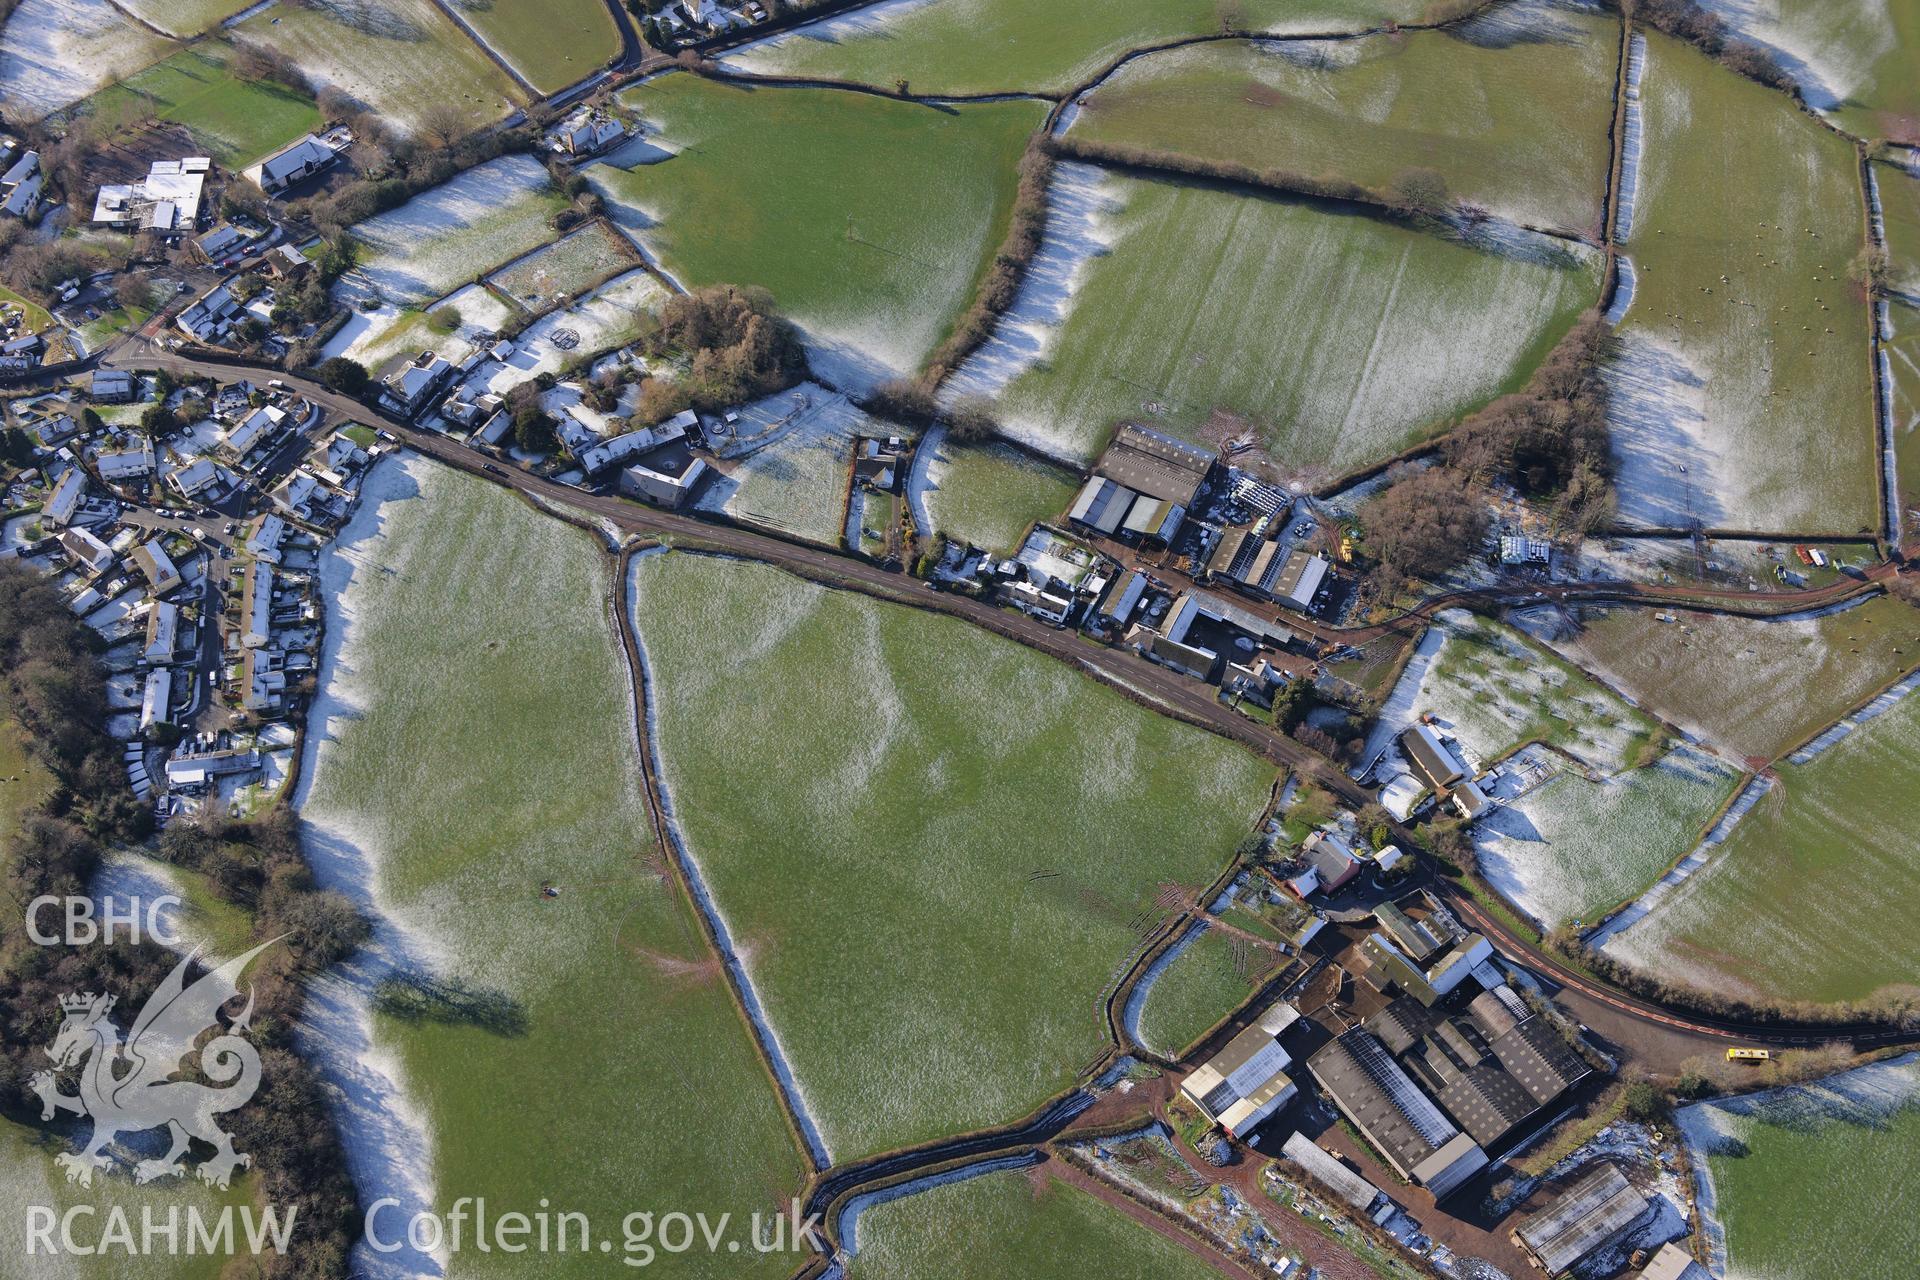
<point>899,639</point>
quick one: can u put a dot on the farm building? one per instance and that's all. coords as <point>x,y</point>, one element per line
<point>1247,1081</point>
<point>1451,1056</point>
<point>1402,1123</point>
<point>1425,956</point>
<point>1101,505</point>
<point>1433,761</point>
<point>297,161</point>
<point>1159,465</point>
<point>1599,1205</point>
<point>1674,1263</point>
<point>1534,1054</point>
<point>167,200</point>
<point>1120,602</point>
<point>1341,1182</point>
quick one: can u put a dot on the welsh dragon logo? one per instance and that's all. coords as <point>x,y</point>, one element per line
<point>128,1088</point>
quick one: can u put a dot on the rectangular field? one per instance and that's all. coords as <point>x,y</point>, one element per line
<point>1849,1144</point>
<point>1743,398</point>
<point>1900,212</point>
<point>791,463</point>
<point>988,495</point>
<point>1005,46</point>
<point>1513,109</point>
<point>447,829</point>
<point>1756,688</point>
<point>966,840</point>
<point>553,43</point>
<point>403,58</point>
<point>236,120</point>
<point>1903,366</point>
<point>1811,897</point>
<point>568,267</point>
<point>453,234</point>
<point>1335,338</point>
<point>871,221</point>
<point>1007,1223</point>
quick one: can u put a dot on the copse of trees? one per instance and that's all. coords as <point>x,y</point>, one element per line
<point>1425,522</point>
<point>735,346</point>
<point>1551,440</point>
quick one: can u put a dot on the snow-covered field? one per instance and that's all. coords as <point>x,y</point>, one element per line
<point>1491,689</point>
<point>1831,48</point>
<point>611,316</point>
<point>1572,848</point>
<point>453,234</point>
<point>184,18</point>
<point>1337,340</point>
<point>795,450</point>
<point>576,262</point>
<point>403,58</point>
<point>55,52</point>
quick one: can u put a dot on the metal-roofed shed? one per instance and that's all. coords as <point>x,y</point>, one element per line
<point>1598,1206</point>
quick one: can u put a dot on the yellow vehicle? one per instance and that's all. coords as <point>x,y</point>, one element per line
<point>1749,1055</point>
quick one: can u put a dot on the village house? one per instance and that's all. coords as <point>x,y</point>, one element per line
<point>201,476</point>
<point>297,161</point>
<point>85,550</point>
<point>263,679</point>
<point>152,560</point>
<point>123,465</point>
<point>64,503</point>
<point>156,698</point>
<point>264,542</point>
<point>211,316</point>
<point>412,387</point>
<point>221,245</point>
<point>112,386</point>
<point>257,433</point>
<point>163,632</point>
<point>665,483</point>
<point>256,605</point>
<point>21,185</point>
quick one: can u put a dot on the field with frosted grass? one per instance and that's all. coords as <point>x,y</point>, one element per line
<point>55,52</point>
<point>1513,109</point>
<point>989,495</point>
<point>1575,847</point>
<point>999,46</point>
<point>405,59</point>
<point>1211,978</point>
<point>1812,895</point>
<point>1739,397</point>
<point>1817,1180</point>
<point>933,847</point>
<point>569,266</point>
<point>456,610</point>
<point>453,234</point>
<point>553,43</point>
<point>1754,687</point>
<point>1333,338</point>
<point>1852,59</point>
<point>870,221</point>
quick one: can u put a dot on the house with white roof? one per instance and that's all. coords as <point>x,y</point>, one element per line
<point>294,163</point>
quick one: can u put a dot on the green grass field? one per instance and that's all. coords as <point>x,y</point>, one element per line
<point>553,43</point>
<point>237,121</point>
<point>1334,337</point>
<point>1734,405</point>
<point>871,221</point>
<point>1809,898</point>
<point>1755,688</point>
<point>1520,128</point>
<point>1012,1223</point>
<point>483,746</point>
<point>1848,1145</point>
<point>1900,209</point>
<point>27,780</point>
<point>37,317</point>
<point>1903,358</point>
<point>1202,985</point>
<point>989,495</point>
<point>965,841</point>
<point>404,58</point>
<point>997,46</point>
